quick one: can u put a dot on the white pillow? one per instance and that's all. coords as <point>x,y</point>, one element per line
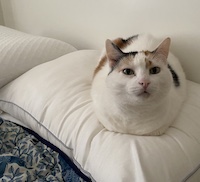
<point>20,52</point>
<point>54,100</point>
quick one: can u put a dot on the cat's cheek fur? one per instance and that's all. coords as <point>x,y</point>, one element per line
<point>162,84</point>
<point>122,87</point>
<point>116,83</point>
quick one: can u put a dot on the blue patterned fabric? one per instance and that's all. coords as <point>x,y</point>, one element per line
<point>23,157</point>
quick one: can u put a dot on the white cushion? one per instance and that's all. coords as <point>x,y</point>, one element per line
<point>54,100</point>
<point>20,52</point>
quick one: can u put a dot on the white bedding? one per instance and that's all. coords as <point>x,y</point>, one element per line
<point>54,98</point>
<point>20,52</point>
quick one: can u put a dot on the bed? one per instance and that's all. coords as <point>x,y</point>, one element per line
<point>45,97</point>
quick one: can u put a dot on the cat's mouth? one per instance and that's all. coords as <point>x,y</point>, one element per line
<point>144,93</point>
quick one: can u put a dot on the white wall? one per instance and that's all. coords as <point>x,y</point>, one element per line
<point>1,15</point>
<point>87,23</point>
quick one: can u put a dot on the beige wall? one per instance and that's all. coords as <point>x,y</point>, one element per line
<point>1,15</point>
<point>87,23</point>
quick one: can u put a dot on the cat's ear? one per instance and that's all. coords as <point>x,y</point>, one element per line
<point>113,53</point>
<point>162,50</point>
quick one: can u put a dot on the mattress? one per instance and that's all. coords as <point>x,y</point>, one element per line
<point>54,100</point>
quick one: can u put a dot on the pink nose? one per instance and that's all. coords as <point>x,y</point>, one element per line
<point>144,84</point>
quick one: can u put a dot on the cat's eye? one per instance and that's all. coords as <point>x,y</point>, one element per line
<point>154,70</point>
<point>128,71</point>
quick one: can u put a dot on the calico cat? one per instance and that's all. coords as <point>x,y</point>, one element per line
<point>138,87</point>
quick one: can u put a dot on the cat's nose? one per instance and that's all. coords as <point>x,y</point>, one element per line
<point>144,83</point>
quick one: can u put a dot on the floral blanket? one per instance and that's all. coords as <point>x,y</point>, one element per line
<point>28,157</point>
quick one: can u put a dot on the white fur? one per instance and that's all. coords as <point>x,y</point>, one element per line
<point>117,104</point>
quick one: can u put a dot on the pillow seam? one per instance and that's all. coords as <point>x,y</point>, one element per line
<point>8,102</point>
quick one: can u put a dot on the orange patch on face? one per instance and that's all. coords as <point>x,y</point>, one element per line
<point>121,44</point>
<point>100,65</point>
<point>148,63</point>
<point>126,62</point>
<point>146,53</point>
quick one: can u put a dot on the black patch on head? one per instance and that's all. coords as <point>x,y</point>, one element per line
<point>124,55</point>
<point>126,41</point>
<point>130,39</point>
<point>174,76</point>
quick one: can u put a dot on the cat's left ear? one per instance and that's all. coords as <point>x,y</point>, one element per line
<point>162,50</point>
<point>113,53</point>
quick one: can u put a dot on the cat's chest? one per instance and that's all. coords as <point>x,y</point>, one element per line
<point>145,113</point>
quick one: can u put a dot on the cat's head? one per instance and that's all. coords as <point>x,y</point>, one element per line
<point>138,76</point>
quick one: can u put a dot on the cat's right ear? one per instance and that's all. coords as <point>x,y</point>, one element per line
<point>113,53</point>
<point>162,50</point>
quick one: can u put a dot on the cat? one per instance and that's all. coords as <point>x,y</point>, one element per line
<point>138,86</point>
